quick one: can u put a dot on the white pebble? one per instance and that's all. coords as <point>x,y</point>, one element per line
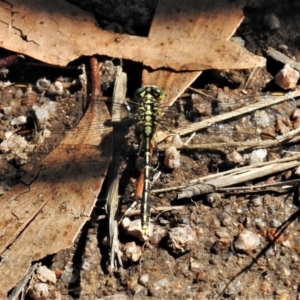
<point>258,156</point>
<point>125,222</point>
<point>144,279</point>
<point>172,158</point>
<point>45,275</point>
<point>19,120</point>
<point>247,241</point>
<point>39,291</point>
<point>134,228</point>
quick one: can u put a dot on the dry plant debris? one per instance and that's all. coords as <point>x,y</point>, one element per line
<point>205,233</point>
<point>57,32</point>
<point>203,21</point>
<point>45,216</point>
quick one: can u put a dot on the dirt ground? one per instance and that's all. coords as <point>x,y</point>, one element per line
<point>222,245</point>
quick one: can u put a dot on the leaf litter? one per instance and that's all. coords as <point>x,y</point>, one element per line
<point>210,254</point>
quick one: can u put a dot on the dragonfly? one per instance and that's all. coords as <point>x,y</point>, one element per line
<point>149,114</point>
<point>173,118</point>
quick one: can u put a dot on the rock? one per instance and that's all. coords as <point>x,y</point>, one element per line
<point>144,279</point>
<point>258,156</point>
<point>181,238</point>
<point>39,291</point>
<point>287,77</point>
<point>45,275</point>
<point>69,275</point>
<point>132,252</point>
<point>172,158</point>
<point>275,223</point>
<point>225,219</point>
<point>272,21</point>
<point>247,241</point>
<point>134,228</point>
<point>257,201</point>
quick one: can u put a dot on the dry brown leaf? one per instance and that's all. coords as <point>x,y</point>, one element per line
<point>57,32</point>
<point>213,21</point>
<point>45,217</point>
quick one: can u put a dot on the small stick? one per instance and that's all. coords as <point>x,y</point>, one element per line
<point>153,210</point>
<point>283,58</point>
<point>271,100</point>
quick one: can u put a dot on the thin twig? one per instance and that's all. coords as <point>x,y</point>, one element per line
<point>265,101</point>
<point>283,139</point>
<point>283,58</point>
<point>228,178</point>
<point>153,210</point>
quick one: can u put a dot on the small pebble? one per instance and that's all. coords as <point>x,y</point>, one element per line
<point>287,77</point>
<point>256,201</point>
<point>144,279</point>
<point>70,275</point>
<point>224,219</point>
<point>260,223</point>
<point>134,228</point>
<point>286,272</point>
<point>213,198</point>
<point>181,238</point>
<point>220,245</point>
<point>15,142</point>
<point>263,119</point>
<point>201,105</point>
<point>132,252</point>
<point>272,21</point>
<point>258,156</point>
<point>269,253</point>
<point>265,288</point>
<point>86,266</point>
<point>43,84</point>
<point>172,158</point>
<point>284,296</point>
<point>140,290</point>
<point>19,120</point>
<point>247,241</point>
<point>234,157</point>
<point>45,275</point>
<point>275,223</point>
<point>125,222</point>
<point>222,234</point>
<point>159,233</point>
<point>234,289</point>
<point>195,265</point>
<point>164,282</point>
<point>110,283</point>
<point>18,94</point>
<point>39,291</point>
